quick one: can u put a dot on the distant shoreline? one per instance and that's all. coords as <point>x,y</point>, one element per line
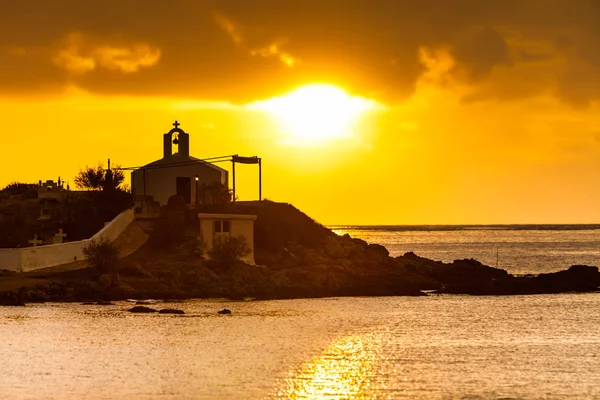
<point>508,227</point>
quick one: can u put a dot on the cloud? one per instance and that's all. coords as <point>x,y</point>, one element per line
<point>481,52</point>
<point>79,56</point>
<point>275,50</point>
<point>234,32</point>
<point>229,27</point>
<point>127,59</point>
<point>241,51</point>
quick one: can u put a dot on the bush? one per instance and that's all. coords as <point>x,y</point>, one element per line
<point>99,178</point>
<point>102,254</point>
<point>228,250</point>
<point>18,188</point>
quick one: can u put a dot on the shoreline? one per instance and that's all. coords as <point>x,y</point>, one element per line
<point>298,258</point>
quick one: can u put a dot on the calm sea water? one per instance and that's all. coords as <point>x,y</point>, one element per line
<point>435,347</point>
<point>520,249</point>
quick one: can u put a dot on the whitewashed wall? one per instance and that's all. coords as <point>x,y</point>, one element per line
<point>161,182</point>
<point>10,259</point>
<point>34,258</point>
<point>114,228</point>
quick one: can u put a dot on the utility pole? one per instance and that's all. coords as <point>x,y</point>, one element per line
<point>260,179</point>
<point>233,173</point>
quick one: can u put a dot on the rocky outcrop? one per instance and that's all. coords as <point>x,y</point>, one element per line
<point>297,258</point>
<point>578,278</point>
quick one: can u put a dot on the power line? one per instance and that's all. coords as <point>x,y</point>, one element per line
<point>211,160</point>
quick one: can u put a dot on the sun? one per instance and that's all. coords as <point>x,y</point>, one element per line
<point>315,113</point>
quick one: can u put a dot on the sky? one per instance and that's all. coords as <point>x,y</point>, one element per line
<point>421,111</point>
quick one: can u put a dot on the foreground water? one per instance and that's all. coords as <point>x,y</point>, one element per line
<point>435,347</point>
<point>520,249</point>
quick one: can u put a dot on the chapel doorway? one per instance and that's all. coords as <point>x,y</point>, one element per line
<point>184,188</point>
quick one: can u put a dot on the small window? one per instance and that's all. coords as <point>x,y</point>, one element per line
<point>226,226</point>
<point>217,226</point>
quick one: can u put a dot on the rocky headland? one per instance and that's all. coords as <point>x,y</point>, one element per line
<point>296,257</point>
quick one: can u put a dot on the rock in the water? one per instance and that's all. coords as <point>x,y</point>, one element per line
<point>225,311</point>
<point>142,309</point>
<point>104,303</point>
<point>15,304</point>
<point>170,311</point>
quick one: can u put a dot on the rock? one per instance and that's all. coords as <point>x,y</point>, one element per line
<point>142,309</point>
<point>15,304</point>
<point>333,247</point>
<point>359,242</point>
<point>377,251</point>
<point>170,311</point>
<point>225,311</point>
<point>104,303</point>
<point>12,298</point>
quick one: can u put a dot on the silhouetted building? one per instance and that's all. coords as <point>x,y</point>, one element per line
<point>177,173</point>
<point>216,227</point>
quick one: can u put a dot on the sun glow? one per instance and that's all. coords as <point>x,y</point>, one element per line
<point>316,113</point>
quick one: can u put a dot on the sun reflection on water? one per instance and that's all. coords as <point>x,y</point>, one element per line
<point>342,371</point>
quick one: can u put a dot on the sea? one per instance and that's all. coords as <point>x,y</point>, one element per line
<point>430,347</point>
<point>519,249</point>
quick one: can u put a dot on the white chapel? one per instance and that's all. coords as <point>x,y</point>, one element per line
<point>176,173</point>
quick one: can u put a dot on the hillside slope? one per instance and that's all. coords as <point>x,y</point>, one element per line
<point>298,258</point>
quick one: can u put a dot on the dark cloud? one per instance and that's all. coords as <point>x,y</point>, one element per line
<point>240,51</point>
<point>481,52</point>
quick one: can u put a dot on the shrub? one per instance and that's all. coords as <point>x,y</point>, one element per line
<point>18,188</point>
<point>102,254</point>
<point>227,250</point>
<point>99,178</point>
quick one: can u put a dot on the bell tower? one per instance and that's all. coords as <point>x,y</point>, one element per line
<point>178,137</point>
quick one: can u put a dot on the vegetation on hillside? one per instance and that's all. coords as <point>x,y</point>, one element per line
<point>297,257</point>
<point>19,189</point>
<point>226,251</point>
<point>102,254</point>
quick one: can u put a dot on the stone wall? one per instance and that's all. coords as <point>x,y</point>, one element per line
<point>34,258</point>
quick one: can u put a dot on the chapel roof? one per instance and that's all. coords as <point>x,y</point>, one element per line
<point>178,159</point>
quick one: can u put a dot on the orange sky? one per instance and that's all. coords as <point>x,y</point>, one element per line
<point>487,113</point>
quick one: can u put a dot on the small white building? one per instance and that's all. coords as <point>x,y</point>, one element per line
<point>177,173</point>
<point>216,226</point>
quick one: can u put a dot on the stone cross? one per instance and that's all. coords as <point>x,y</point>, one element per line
<point>58,237</point>
<point>35,241</point>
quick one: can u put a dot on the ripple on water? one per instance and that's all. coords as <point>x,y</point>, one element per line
<point>437,347</point>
